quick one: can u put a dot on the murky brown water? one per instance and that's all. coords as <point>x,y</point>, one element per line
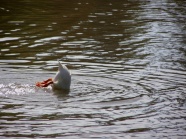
<point>128,60</point>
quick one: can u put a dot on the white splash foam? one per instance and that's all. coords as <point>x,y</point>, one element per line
<point>16,89</point>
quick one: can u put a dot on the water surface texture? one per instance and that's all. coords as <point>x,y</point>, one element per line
<point>128,65</point>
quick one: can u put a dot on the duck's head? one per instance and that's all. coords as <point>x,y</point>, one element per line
<point>62,80</point>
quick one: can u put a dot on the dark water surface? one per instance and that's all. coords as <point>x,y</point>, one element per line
<point>128,64</point>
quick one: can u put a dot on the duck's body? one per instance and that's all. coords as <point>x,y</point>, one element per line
<point>62,80</point>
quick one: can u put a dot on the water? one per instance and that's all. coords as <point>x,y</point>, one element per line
<point>128,64</point>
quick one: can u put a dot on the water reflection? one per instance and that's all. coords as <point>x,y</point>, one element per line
<point>128,69</point>
<point>61,93</point>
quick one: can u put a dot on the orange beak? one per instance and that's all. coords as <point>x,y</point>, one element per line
<point>44,83</point>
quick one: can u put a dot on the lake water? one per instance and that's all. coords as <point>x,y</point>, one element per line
<point>128,65</point>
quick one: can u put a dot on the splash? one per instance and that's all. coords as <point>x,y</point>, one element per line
<point>16,89</point>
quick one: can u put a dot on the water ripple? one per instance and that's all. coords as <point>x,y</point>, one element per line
<point>9,39</point>
<point>127,61</point>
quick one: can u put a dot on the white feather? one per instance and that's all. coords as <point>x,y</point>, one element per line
<point>62,80</point>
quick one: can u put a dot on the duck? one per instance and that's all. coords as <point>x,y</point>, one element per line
<point>61,81</point>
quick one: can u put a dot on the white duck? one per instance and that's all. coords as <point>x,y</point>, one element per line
<point>62,80</point>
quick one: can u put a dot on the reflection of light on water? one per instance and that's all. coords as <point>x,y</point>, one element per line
<point>9,39</point>
<point>49,39</point>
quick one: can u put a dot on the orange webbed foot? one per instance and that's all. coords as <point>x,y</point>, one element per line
<point>44,83</point>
